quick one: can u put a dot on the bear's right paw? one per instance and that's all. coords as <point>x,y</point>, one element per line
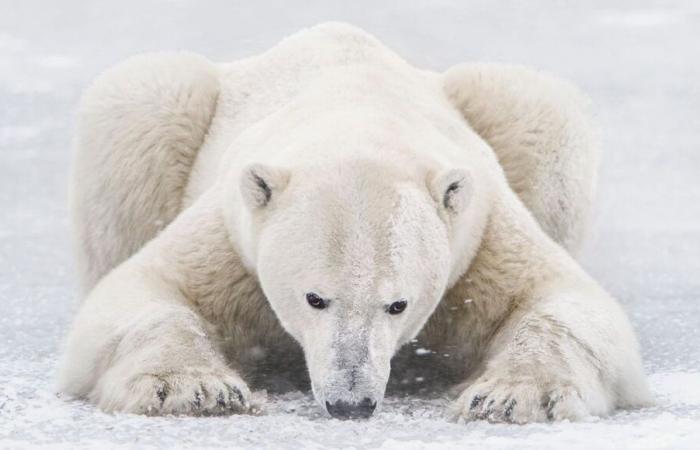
<point>197,392</point>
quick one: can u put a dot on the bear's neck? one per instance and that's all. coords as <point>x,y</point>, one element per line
<point>514,257</point>
<point>204,266</point>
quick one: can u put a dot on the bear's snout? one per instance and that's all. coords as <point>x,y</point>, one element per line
<point>345,410</point>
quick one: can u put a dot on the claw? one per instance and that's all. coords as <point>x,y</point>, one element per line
<point>488,413</point>
<point>198,397</point>
<point>476,401</point>
<point>221,400</point>
<point>550,409</point>
<point>162,393</point>
<point>235,392</point>
<point>509,409</point>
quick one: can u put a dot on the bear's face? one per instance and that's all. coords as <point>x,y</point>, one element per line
<point>353,264</point>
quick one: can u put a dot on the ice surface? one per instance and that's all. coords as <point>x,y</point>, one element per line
<point>637,59</point>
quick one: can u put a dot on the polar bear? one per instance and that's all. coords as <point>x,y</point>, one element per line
<point>325,206</point>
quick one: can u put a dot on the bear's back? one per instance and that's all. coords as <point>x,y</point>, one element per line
<point>255,88</point>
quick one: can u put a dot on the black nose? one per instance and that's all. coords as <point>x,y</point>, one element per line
<point>345,410</point>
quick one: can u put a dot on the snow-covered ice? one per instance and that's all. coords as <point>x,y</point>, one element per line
<point>637,59</point>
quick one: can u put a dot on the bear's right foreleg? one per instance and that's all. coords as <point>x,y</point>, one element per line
<point>142,351</point>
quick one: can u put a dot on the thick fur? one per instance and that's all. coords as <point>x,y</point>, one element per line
<point>141,125</point>
<point>220,195</point>
<point>539,127</point>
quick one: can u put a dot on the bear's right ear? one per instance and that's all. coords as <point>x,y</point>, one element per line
<point>452,189</point>
<point>259,183</point>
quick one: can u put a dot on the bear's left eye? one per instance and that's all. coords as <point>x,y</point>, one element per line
<point>397,307</point>
<point>316,301</point>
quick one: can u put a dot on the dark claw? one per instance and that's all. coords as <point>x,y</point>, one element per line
<point>550,408</point>
<point>220,400</point>
<point>509,409</point>
<point>476,401</point>
<point>488,412</point>
<point>162,393</point>
<point>235,392</point>
<point>198,396</point>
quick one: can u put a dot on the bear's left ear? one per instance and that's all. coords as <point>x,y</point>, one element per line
<point>260,183</point>
<point>452,189</point>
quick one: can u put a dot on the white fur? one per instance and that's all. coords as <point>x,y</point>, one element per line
<point>329,165</point>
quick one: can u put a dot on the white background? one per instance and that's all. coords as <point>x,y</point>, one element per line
<point>640,62</point>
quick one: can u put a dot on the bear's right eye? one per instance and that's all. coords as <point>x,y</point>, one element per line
<point>316,301</point>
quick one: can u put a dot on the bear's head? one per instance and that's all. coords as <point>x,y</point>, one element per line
<point>353,258</point>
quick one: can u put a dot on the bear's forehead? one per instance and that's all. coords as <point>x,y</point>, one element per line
<point>370,237</point>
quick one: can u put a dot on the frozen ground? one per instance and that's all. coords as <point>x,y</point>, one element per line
<point>638,60</point>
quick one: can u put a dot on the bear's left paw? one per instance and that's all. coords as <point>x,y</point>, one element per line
<point>519,401</point>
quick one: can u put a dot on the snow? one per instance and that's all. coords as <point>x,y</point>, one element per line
<point>637,59</point>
